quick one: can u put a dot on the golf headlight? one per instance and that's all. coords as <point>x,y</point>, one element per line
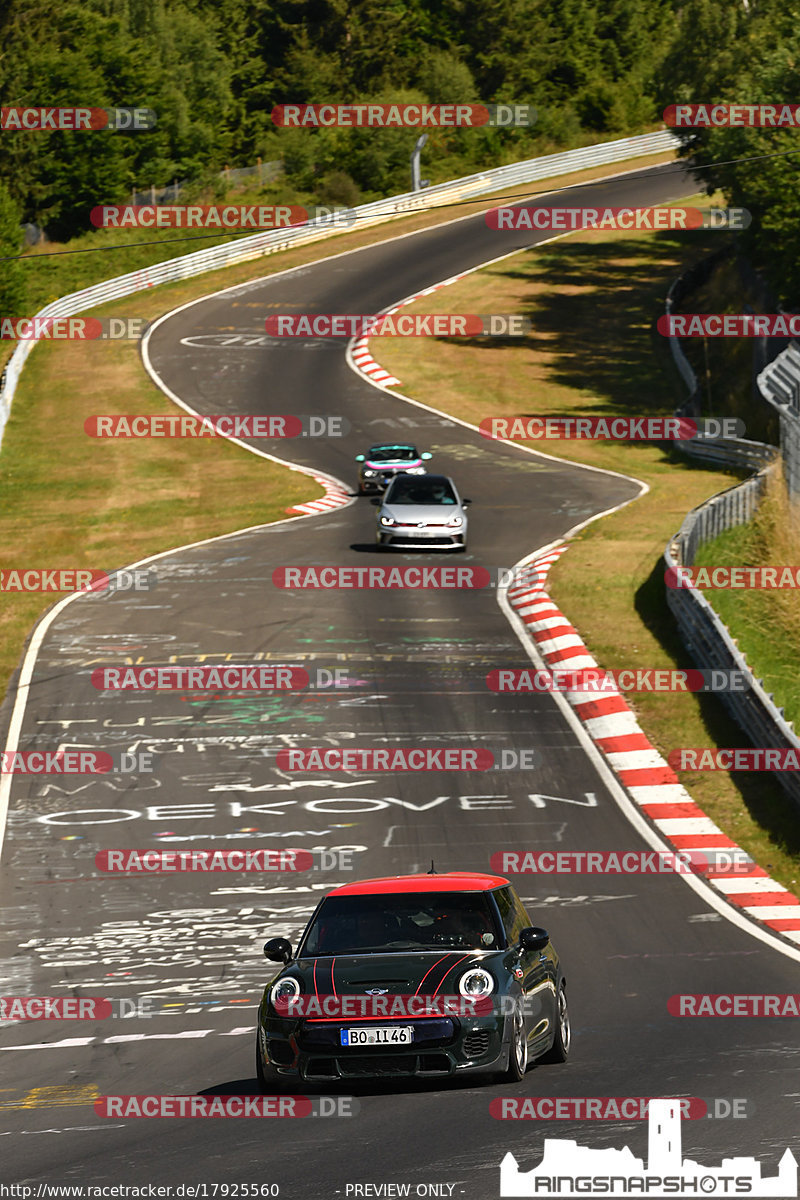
<point>285,989</point>
<point>368,474</point>
<point>476,983</point>
<point>456,521</point>
<point>388,520</point>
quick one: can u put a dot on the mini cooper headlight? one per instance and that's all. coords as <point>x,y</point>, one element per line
<point>285,989</point>
<point>368,474</point>
<point>416,471</point>
<point>455,521</point>
<point>476,983</point>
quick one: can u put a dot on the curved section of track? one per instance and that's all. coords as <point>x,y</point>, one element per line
<point>414,666</point>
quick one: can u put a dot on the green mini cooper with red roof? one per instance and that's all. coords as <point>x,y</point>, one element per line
<point>414,975</point>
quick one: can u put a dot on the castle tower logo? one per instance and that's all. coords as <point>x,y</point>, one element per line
<point>568,1169</point>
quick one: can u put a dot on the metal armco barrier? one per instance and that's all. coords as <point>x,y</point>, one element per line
<point>243,249</point>
<point>704,634</point>
<point>708,639</point>
<point>779,383</point>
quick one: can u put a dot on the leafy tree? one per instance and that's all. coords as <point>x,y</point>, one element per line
<point>12,275</point>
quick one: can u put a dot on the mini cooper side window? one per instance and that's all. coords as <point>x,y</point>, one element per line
<point>515,919</point>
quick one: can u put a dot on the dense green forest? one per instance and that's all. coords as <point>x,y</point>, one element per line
<point>212,71</point>
<point>749,53</point>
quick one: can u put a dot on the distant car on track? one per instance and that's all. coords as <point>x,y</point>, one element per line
<point>425,942</point>
<point>425,513</point>
<point>381,463</point>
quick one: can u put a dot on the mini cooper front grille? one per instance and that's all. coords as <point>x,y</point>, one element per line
<point>476,1044</point>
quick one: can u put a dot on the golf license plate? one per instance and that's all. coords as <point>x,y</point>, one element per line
<point>388,1035</point>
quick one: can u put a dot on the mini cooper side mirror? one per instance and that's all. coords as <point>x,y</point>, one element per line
<point>360,457</point>
<point>376,500</point>
<point>533,938</point>
<point>426,454</point>
<point>278,950</point>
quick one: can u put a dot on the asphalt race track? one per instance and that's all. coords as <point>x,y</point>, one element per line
<point>413,666</point>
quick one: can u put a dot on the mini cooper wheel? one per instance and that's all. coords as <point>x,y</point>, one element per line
<point>518,1049</point>
<point>559,1051</point>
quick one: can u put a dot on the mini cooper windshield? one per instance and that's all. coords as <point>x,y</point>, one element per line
<point>402,922</point>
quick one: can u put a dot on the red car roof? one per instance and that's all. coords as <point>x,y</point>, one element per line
<point>451,881</point>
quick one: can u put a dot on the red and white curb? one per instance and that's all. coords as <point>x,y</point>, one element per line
<point>650,781</point>
<point>334,497</point>
<point>360,353</point>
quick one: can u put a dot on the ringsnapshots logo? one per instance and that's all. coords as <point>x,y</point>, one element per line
<point>570,220</point>
<point>395,324</point>
<point>598,681</point>
<point>569,1169</point>
<point>729,325</point>
<point>524,428</point>
<point>224,425</point>
<point>76,120</point>
<point>72,329</point>
<point>712,862</point>
<point>732,116</point>
<point>403,116</point>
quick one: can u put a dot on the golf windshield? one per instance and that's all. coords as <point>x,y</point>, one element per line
<point>427,489</point>
<point>402,921</point>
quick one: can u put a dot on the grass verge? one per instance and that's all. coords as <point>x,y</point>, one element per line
<point>593,300</point>
<point>766,624</point>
